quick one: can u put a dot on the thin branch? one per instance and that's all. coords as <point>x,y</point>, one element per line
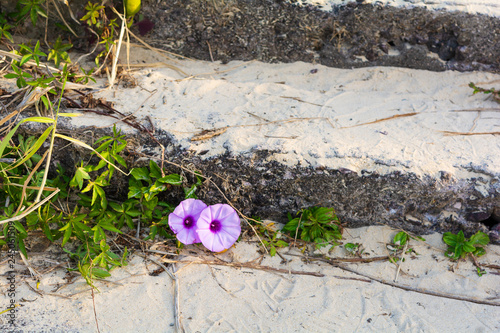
<point>245,265</point>
<point>408,288</point>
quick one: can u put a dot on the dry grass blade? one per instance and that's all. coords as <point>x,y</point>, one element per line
<point>32,97</point>
<point>477,110</point>
<point>26,182</point>
<point>118,47</point>
<point>82,144</point>
<point>384,119</point>
<point>61,16</point>
<point>208,134</point>
<point>161,52</point>
<point>46,188</point>
<point>31,209</point>
<point>302,101</point>
<point>450,133</point>
<point>30,62</point>
<point>8,117</point>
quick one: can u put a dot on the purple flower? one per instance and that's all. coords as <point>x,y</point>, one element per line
<point>218,227</point>
<point>184,218</point>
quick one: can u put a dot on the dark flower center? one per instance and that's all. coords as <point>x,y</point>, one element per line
<point>188,222</point>
<point>215,226</point>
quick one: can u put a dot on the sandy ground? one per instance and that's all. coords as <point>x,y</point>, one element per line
<point>380,119</point>
<point>217,298</point>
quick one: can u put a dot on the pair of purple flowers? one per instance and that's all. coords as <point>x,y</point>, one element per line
<point>217,226</point>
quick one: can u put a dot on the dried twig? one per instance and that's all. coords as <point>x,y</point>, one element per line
<point>95,313</point>
<point>408,288</point>
<point>244,265</point>
<point>302,101</point>
<point>450,133</point>
<point>178,327</point>
<point>401,260</point>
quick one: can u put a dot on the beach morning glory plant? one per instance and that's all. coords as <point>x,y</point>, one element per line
<point>218,227</point>
<point>184,219</point>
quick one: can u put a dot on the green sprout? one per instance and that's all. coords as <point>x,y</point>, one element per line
<point>460,247</point>
<point>316,224</point>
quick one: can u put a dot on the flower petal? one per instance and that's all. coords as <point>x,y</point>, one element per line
<point>229,232</point>
<point>187,208</point>
<point>188,236</point>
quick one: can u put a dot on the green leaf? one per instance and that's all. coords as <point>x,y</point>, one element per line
<point>25,59</point>
<point>20,228</point>
<point>401,238</point>
<point>98,233</point>
<point>141,174</point>
<point>8,136</point>
<point>10,76</point>
<point>67,233</point>
<point>155,171</point>
<point>281,243</point>
<point>468,248</point>
<point>100,273</point>
<point>479,252</point>
<point>22,248</point>
<point>479,238</point>
<point>109,227</point>
<point>190,192</point>
<point>173,179</point>
<point>38,144</point>
<point>450,239</point>
<point>291,226</point>
<point>116,207</point>
<point>80,226</point>
<point>120,160</point>
<point>80,175</point>
<point>134,192</point>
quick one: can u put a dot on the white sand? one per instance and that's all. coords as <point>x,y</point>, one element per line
<point>225,299</point>
<point>487,7</point>
<point>317,115</point>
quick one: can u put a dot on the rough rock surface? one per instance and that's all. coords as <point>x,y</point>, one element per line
<point>270,189</point>
<point>355,35</point>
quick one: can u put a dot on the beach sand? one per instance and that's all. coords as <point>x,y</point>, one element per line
<point>269,295</point>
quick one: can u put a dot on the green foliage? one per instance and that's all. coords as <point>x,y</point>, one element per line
<point>460,247</point>
<point>29,53</point>
<point>355,249</point>
<point>494,92</point>
<point>59,52</point>
<point>400,242</point>
<point>316,224</point>
<point>31,8</point>
<point>4,32</point>
<point>144,187</point>
<point>91,221</point>
<point>108,39</point>
<point>85,77</point>
<point>93,14</point>
<point>19,75</point>
<point>271,238</point>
